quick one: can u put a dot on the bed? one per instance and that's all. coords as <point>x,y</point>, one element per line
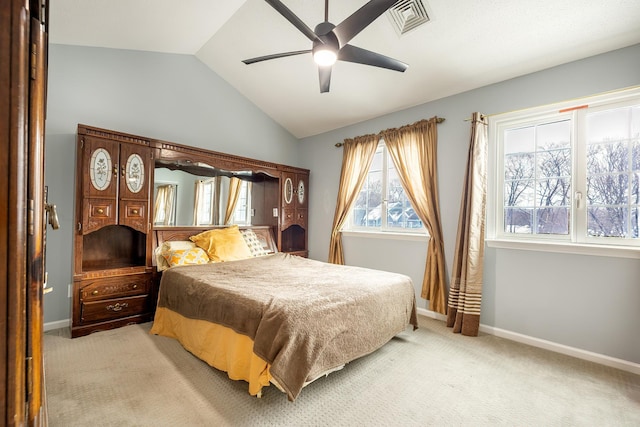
<point>275,318</point>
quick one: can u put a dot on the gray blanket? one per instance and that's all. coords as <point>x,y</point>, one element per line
<point>305,317</point>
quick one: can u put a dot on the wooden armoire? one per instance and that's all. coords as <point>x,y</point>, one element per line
<point>112,260</point>
<point>23,77</point>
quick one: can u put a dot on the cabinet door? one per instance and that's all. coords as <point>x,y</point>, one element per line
<point>99,167</point>
<point>134,172</point>
<point>301,190</point>
<point>288,190</point>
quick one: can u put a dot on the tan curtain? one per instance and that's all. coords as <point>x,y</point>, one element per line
<point>235,185</point>
<point>197,200</point>
<point>465,295</point>
<point>413,149</point>
<point>356,159</point>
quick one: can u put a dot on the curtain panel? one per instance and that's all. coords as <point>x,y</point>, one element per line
<point>465,296</point>
<point>413,149</point>
<point>356,159</point>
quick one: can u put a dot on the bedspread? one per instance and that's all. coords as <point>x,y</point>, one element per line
<point>305,317</point>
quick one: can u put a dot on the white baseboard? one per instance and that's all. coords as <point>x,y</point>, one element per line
<point>602,359</point>
<point>57,324</point>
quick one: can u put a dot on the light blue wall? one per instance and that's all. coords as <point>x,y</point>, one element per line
<point>586,302</point>
<point>170,97</point>
<point>581,301</point>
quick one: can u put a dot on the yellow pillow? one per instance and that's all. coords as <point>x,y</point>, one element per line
<point>223,244</point>
<point>176,257</point>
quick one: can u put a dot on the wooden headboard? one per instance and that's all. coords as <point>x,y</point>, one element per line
<point>164,234</point>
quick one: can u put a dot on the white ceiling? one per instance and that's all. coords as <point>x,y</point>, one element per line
<point>467,44</point>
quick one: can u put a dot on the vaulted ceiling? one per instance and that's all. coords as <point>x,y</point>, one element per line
<point>464,45</point>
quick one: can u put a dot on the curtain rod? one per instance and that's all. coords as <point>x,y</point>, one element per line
<point>438,121</point>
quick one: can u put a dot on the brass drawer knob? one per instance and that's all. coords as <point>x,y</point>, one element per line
<point>134,211</point>
<point>95,292</point>
<point>135,286</point>
<point>100,211</point>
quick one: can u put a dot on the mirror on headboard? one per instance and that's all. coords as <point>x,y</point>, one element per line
<point>190,193</point>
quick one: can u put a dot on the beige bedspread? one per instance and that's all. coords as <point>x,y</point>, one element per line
<point>305,317</point>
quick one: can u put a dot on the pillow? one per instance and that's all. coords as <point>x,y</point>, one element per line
<point>254,244</point>
<point>191,256</point>
<point>161,263</point>
<point>223,244</point>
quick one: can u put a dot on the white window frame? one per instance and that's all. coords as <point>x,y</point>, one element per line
<point>383,230</point>
<point>576,241</point>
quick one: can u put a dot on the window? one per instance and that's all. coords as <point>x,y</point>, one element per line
<point>382,204</point>
<point>242,212</point>
<point>569,173</point>
<point>212,199</point>
<point>206,202</point>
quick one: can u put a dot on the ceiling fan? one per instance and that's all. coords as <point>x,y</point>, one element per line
<point>331,42</point>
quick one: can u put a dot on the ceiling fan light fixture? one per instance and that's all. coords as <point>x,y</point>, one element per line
<point>325,57</point>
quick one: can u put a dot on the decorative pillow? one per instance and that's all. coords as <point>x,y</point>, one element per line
<point>161,263</point>
<point>223,244</point>
<point>185,257</point>
<point>255,246</point>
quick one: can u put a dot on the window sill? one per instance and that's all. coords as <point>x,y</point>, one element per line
<point>567,248</point>
<point>390,235</point>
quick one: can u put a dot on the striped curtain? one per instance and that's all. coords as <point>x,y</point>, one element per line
<point>465,296</point>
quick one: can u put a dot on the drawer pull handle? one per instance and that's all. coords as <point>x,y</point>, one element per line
<point>94,292</point>
<point>100,211</point>
<point>117,306</point>
<point>134,287</point>
<point>134,211</point>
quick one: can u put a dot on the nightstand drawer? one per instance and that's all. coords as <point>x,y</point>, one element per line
<point>113,308</point>
<point>122,286</point>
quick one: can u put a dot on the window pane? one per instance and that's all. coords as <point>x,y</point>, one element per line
<point>608,157</point>
<point>519,166</point>
<point>368,205</point>
<point>550,136</point>
<point>518,221</point>
<point>607,222</point>
<point>554,163</point>
<point>553,220</point>
<point>554,192</point>
<point>609,125</point>
<point>607,189</point>
<point>519,140</point>
<point>519,193</point>
<point>635,164</point>
<point>635,219</point>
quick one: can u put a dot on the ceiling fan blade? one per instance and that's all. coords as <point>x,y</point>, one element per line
<point>275,56</point>
<point>358,55</point>
<point>291,17</point>
<point>325,78</point>
<point>360,19</point>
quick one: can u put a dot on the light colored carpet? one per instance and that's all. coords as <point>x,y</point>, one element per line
<point>428,377</point>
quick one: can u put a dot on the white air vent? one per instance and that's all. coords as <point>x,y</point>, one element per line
<point>406,15</point>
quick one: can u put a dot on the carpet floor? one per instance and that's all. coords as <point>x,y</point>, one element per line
<point>427,377</point>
